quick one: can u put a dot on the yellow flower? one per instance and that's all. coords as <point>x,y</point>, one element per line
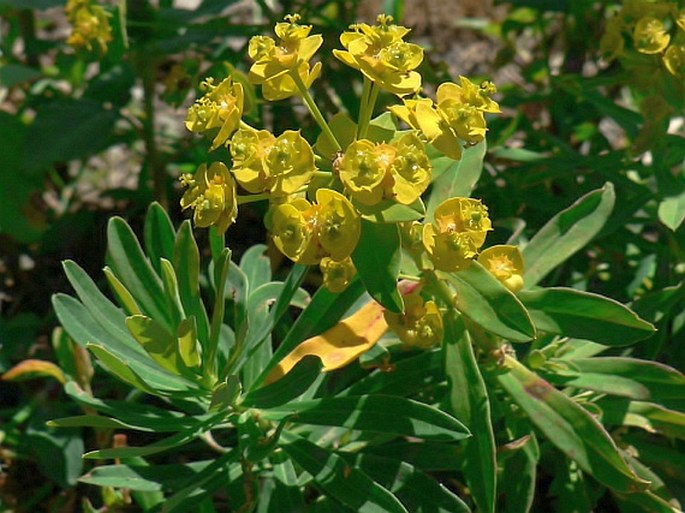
<point>362,170</point>
<point>372,172</point>
<point>276,61</point>
<point>467,93</point>
<point>680,18</point>
<point>505,262</point>
<point>279,165</point>
<point>306,233</point>
<point>650,35</point>
<point>218,111</point>
<point>674,59</point>
<point>90,23</point>
<point>420,325</point>
<point>212,194</point>
<point>249,149</point>
<point>289,164</point>
<point>337,275</point>
<point>382,55</point>
<point>457,233</point>
<point>422,115</point>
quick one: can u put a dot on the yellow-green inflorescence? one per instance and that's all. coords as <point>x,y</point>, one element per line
<point>319,222</point>
<point>89,24</point>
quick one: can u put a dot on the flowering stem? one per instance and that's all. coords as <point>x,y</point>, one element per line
<point>363,105</point>
<point>368,107</point>
<point>314,109</point>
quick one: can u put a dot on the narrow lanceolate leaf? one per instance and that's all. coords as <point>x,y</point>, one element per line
<point>651,417</point>
<point>567,232</point>
<point>171,442</point>
<point>482,298</point>
<point>416,490</point>
<point>336,478</point>
<point>377,413</point>
<point>116,366</point>
<point>571,428</point>
<point>339,345</point>
<point>95,421</point>
<point>132,268</point>
<point>186,261</point>
<point>629,377</point>
<point>672,211</point>
<point>468,401</point>
<point>578,314</point>
<point>158,235</point>
<point>377,259</point>
<point>456,178</point>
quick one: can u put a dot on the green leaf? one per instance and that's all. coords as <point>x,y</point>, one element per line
<point>389,211</point>
<point>651,417</point>
<point>165,444</point>
<point>212,348</point>
<point>344,130</point>
<point>159,235</point>
<point>144,478</point>
<point>119,368</point>
<point>161,345</point>
<point>377,413</point>
<point>132,268</point>
<point>14,74</point>
<point>256,266</point>
<point>426,455</point>
<point>124,297</point>
<point>517,494</point>
<point>468,400</point>
<point>377,258</point>
<point>94,421</point>
<point>336,478</point>
<point>58,453</point>
<point>142,417</point>
<point>578,314</point>
<point>567,232</point>
<point>672,211</point>
<point>292,385</point>
<point>571,428</point>
<point>455,178</point>
<point>186,260</point>
<point>641,380</point>
<point>188,345</point>
<point>483,299</point>
<point>417,491</point>
<point>103,311</point>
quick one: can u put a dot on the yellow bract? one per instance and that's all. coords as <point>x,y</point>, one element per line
<point>381,54</point>
<point>674,59</point>
<point>275,62</point>
<point>219,109</point>
<point>420,325</point>
<point>457,233</point>
<point>306,233</point>
<point>372,172</point>
<point>90,23</point>
<point>505,263</point>
<point>212,194</point>
<point>279,165</point>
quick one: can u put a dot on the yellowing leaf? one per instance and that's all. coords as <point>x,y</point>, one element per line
<point>339,345</point>
<point>29,369</point>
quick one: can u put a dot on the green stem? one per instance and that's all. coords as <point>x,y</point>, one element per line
<point>371,104</point>
<point>314,109</point>
<point>363,103</point>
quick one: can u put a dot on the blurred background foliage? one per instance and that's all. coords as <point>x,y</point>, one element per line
<point>86,133</point>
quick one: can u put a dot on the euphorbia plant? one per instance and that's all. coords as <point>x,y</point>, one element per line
<point>421,353</point>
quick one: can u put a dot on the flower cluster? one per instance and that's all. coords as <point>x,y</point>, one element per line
<point>90,24</point>
<point>649,28</point>
<point>420,325</point>
<point>218,112</point>
<point>319,196</point>
<point>457,115</point>
<point>382,55</point>
<point>372,172</point>
<point>281,67</point>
